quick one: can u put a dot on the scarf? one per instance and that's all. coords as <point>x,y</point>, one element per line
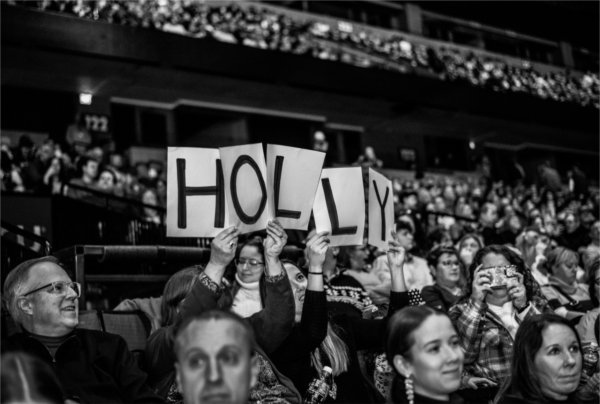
<point>506,312</point>
<point>247,301</point>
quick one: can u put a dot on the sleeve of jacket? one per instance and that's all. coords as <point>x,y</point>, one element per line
<point>432,298</point>
<point>274,322</point>
<point>131,379</point>
<point>314,318</point>
<point>368,334</point>
<point>467,318</point>
<point>204,296</point>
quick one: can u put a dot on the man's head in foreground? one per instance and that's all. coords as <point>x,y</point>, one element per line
<point>215,360</point>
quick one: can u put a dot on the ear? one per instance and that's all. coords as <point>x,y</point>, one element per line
<point>25,305</point>
<point>178,377</point>
<point>402,366</point>
<point>254,370</point>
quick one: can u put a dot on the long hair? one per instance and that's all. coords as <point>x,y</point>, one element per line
<point>336,351</point>
<point>524,380</point>
<point>176,289</point>
<point>532,288</point>
<point>332,346</point>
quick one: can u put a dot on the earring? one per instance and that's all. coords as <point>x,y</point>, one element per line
<point>409,388</point>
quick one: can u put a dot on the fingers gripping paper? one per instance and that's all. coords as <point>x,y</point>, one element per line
<point>381,210</point>
<point>293,177</point>
<point>339,206</point>
<point>195,193</point>
<point>245,176</point>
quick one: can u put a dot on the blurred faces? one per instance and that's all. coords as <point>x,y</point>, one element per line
<point>299,283</point>
<point>90,170</point>
<point>49,313</point>
<point>214,363</point>
<point>435,360</point>
<point>358,257</point>
<point>558,362</point>
<point>489,214</point>
<point>566,270</point>
<point>447,270</point>
<point>468,249</point>
<point>571,223</point>
<point>405,238</point>
<point>106,181</point>
<point>250,264</point>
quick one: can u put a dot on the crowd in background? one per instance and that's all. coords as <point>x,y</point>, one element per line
<point>75,165</point>
<point>266,29</point>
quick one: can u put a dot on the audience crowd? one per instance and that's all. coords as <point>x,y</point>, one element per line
<point>260,27</point>
<point>488,292</point>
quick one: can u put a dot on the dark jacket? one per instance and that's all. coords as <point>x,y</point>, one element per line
<point>439,298</point>
<point>271,326</point>
<point>92,366</point>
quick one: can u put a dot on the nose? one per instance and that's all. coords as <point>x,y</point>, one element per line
<point>571,358</point>
<point>71,293</point>
<point>452,354</point>
<point>214,372</point>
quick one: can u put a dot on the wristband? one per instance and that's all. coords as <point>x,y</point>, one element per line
<point>315,273</point>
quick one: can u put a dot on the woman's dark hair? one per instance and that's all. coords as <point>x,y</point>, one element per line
<point>592,281</point>
<point>400,328</point>
<point>25,377</point>
<point>176,289</point>
<point>256,242</point>
<point>524,379</point>
<point>532,288</point>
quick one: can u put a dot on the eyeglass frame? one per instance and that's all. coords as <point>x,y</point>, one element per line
<point>69,284</point>
<point>247,261</point>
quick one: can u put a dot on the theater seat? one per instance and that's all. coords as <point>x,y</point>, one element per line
<point>133,326</point>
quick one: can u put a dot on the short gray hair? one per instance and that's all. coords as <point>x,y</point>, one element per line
<point>15,281</point>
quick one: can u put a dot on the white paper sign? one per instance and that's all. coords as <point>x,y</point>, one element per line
<point>195,193</point>
<point>381,210</point>
<point>245,175</point>
<point>292,178</point>
<point>339,206</point>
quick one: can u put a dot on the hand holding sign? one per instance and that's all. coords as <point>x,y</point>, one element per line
<point>222,248</point>
<point>396,256</point>
<point>275,241</point>
<point>316,248</point>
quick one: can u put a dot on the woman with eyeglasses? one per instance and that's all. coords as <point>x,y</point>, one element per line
<point>501,294</point>
<point>450,279</point>
<point>260,290</point>
<point>323,338</point>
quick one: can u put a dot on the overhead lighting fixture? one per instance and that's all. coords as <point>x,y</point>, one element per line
<point>85,98</point>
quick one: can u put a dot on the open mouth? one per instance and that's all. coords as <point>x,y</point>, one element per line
<point>216,398</point>
<point>69,308</point>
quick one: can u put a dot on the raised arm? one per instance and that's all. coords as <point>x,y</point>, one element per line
<point>274,322</point>
<point>207,290</point>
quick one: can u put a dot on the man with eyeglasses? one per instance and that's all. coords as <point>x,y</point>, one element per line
<point>92,366</point>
